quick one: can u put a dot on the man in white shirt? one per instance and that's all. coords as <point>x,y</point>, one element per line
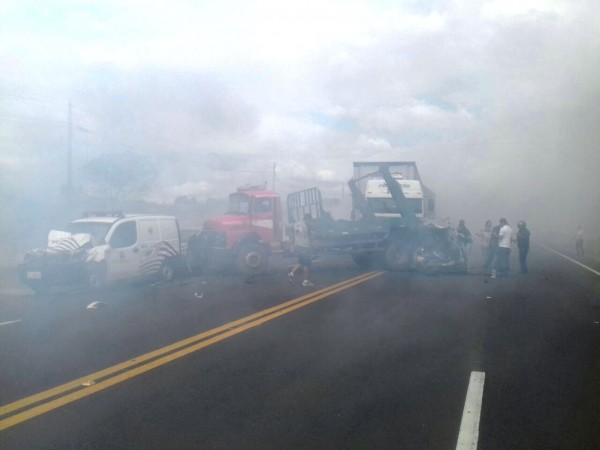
<point>504,241</point>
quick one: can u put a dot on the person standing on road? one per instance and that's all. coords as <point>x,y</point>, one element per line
<point>504,241</point>
<point>523,235</point>
<point>484,236</point>
<point>464,235</point>
<point>490,260</point>
<point>579,241</point>
<point>464,238</point>
<point>302,247</point>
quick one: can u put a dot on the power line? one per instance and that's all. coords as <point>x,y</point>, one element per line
<point>13,118</point>
<point>22,97</point>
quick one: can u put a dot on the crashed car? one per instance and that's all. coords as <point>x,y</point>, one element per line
<point>439,250</point>
<point>105,247</point>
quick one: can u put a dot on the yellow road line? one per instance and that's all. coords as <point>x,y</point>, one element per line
<point>171,352</point>
<point>75,384</point>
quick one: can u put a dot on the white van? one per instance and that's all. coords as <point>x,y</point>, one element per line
<point>104,247</point>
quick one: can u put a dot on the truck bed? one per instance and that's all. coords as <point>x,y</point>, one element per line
<point>346,234</point>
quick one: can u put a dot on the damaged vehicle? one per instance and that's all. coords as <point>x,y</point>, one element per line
<point>396,226</point>
<point>105,247</point>
<point>439,250</point>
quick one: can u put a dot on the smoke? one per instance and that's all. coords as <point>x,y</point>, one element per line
<point>497,103</point>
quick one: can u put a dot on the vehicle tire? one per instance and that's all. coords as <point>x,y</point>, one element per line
<point>167,272</point>
<point>252,259</point>
<point>96,276</point>
<point>398,255</point>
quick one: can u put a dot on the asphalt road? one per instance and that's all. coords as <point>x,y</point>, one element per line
<point>360,360</point>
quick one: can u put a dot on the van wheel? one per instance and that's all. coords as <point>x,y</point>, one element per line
<point>252,259</point>
<point>96,276</point>
<point>167,272</point>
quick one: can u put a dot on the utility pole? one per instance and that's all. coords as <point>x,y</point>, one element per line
<point>274,166</point>
<point>69,187</point>
<point>70,153</point>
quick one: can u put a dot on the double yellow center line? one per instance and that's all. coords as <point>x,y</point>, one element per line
<point>35,405</point>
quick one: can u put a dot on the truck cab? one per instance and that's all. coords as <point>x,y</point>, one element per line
<point>372,189</point>
<point>245,234</point>
<point>381,202</point>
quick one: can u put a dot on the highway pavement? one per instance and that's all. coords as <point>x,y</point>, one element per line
<point>365,359</point>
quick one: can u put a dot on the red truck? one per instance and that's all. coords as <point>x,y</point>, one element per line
<point>246,234</point>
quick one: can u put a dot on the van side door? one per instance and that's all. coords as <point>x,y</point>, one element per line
<point>122,260</point>
<point>149,242</point>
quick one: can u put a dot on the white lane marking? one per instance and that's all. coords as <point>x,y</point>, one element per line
<point>11,321</point>
<point>469,427</point>
<point>571,259</point>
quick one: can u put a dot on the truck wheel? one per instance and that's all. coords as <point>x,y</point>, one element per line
<point>252,259</point>
<point>398,256</point>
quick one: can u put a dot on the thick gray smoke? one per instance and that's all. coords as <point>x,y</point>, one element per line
<point>497,103</point>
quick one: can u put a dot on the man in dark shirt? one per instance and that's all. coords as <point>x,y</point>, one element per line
<point>523,244</point>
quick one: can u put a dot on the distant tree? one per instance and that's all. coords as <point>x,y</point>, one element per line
<point>184,200</point>
<point>120,176</point>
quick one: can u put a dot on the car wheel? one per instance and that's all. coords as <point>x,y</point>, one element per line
<point>167,272</point>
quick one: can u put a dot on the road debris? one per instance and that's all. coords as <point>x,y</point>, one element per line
<point>199,295</point>
<point>88,383</point>
<point>96,305</point>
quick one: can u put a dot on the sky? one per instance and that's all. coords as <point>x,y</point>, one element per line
<point>498,102</point>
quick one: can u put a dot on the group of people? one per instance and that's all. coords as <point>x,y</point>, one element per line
<point>496,244</point>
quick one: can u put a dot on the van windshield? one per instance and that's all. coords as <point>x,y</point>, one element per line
<point>97,230</point>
